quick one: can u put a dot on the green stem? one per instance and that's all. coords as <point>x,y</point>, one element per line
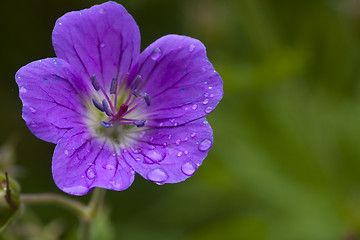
<point>87,212</point>
<point>57,199</point>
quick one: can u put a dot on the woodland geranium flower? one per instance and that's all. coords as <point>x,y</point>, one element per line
<point>113,112</point>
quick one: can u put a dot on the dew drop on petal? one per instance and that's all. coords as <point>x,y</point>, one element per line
<point>33,110</point>
<point>210,87</point>
<point>205,122</point>
<point>66,152</point>
<point>206,101</point>
<point>177,142</point>
<point>194,107</point>
<point>23,90</point>
<point>157,175</point>
<point>156,156</point>
<point>169,137</point>
<point>137,159</point>
<point>90,173</point>
<point>206,94</point>
<point>186,152</point>
<point>179,154</point>
<point>109,166</point>
<point>188,168</point>
<point>205,145</point>
<point>156,54</point>
<point>191,47</point>
<point>208,109</point>
<point>193,134</point>
<point>33,124</point>
<point>211,95</point>
<point>151,139</point>
<point>102,45</point>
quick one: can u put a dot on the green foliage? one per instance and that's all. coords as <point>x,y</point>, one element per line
<point>286,157</point>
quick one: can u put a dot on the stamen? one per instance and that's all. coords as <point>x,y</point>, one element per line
<point>139,123</point>
<point>145,96</point>
<point>106,124</point>
<point>113,87</point>
<point>147,99</point>
<point>134,83</point>
<point>98,105</point>
<point>94,82</point>
<point>106,107</point>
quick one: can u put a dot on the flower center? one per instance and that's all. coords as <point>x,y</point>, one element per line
<point>118,123</point>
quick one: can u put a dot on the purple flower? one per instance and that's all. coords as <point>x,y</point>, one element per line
<point>114,112</point>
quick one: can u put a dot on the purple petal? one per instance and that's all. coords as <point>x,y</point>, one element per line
<point>179,80</point>
<point>51,103</point>
<point>170,155</point>
<point>81,163</point>
<point>103,40</point>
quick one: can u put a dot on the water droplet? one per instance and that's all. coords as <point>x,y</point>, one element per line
<point>211,95</point>
<point>90,173</point>
<point>194,107</point>
<point>191,47</point>
<point>205,122</point>
<point>206,94</point>
<point>55,62</point>
<point>109,166</point>
<point>60,23</point>
<point>210,87</point>
<point>33,110</point>
<point>151,139</point>
<point>158,175</point>
<point>33,124</point>
<point>23,90</point>
<point>186,108</point>
<point>179,154</point>
<point>102,45</point>
<point>169,137</point>
<point>135,150</point>
<point>156,54</point>
<point>186,152</point>
<point>186,139</point>
<point>137,159</point>
<point>208,109</point>
<point>193,134</point>
<point>205,145</point>
<point>203,69</point>
<point>66,152</point>
<point>161,124</point>
<point>177,142</point>
<point>205,82</point>
<point>156,156</point>
<point>206,101</point>
<point>172,120</point>
<point>188,168</point>
<point>175,124</point>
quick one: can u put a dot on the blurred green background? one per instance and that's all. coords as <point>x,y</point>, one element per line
<point>286,157</point>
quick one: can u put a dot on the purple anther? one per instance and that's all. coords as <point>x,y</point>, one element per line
<point>106,107</point>
<point>113,86</point>
<point>98,105</point>
<point>134,83</point>
<point>106,124</point>
<point>94,82</point>
<point>146,98</point>
<point>140,123</point>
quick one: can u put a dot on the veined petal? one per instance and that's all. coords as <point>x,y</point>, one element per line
<point>170,155</point>
<point>81,162</point>
<point>52,104</point>
<point>179,80</point>
<point>103,40</point>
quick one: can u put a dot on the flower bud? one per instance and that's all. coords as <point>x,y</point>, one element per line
<point>9,200</point>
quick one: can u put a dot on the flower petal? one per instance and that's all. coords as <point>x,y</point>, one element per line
<point>51,103</point>
<point>179,80</point>
<point>102,40</point>
<point>170,155</point>
<point>81,162</point>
